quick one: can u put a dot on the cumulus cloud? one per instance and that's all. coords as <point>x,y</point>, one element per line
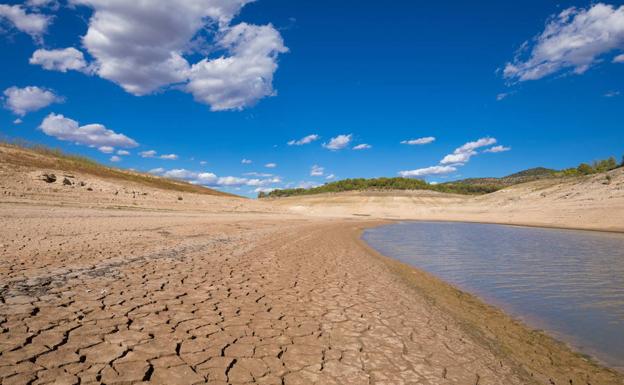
<point>338,142</point>
<point>106,149</point>
<point>115,158</point>
<point>123,152</point>
<point>496,149</point>
<point>434,170</point>
<point>18,121</point>
<point>145,46</point>
<point>157,171</point>
<point>24,100</point>
<point>362,146</point>
<point>619,59</point>
<point>270,165</point>
<point>265,190</point>
<point>169,156</point>
<point>576,39</point>
<point>465,152</point>
<point>34,24</point>
<point>307,184</point>
<point>305,140</point>
<point>246,161</point>
<point>147,154</point>
<point>330,177</point>
<point>211,179</point>
<point>60,60</point>
<point>92,135</point>
<point>419,141</point>
<point>244,77</point>
<point>317,170</point>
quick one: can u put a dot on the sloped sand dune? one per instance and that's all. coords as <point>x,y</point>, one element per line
<point>125,283</point>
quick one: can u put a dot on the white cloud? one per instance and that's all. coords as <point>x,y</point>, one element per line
<point>434,170</point>
<point>307,184</point>
<point>265,189</point>
<point>93,135</point>
<point>157,171</point>
<point>18,121</point>
<point>52,4</point>
<point>317,170</point>
<point>611,94</point>
<point>575,39</point>
<point>465,152</point>
<point>246,161</point>
<point>145,46</point>
<point>60,60</point>
<point>502,96</point>
<point>244,77</point>
<point>305,140</point>
<point>419,141</point>
<point>270,165</point>
<point>330,177</point>
<point>496,149</point>
<point>210,179</point>
<point>123,152</point>
<point>147,154</point>
<point>203,162</point>
<point>362,146</point>
<point>34,24</point>
<point>339,142</point>
<point>260,174</point>
<point>115,158</point>
<point>619,59</point>
<point>169,157</point>
<point>24,100</point>
<point>106,149</point>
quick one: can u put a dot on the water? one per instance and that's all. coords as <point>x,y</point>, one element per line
<point>568,282</point>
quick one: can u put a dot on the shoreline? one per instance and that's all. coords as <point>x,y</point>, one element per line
<point>331,308</point>
<point>515,224</point>
<point>493,326</point>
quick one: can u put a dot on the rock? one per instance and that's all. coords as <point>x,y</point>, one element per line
<point>67,182</point>
<point>48,178</point>
<point>89,189</point>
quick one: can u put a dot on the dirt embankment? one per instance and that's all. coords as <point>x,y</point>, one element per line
<point>592,202</point>
<point>127,283</point>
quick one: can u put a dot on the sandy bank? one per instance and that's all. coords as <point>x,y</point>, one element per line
<point>590,203</point>
<point>117,295</point>
<point>108,281</point>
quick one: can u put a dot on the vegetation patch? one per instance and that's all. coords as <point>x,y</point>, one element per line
<point>471,186</point>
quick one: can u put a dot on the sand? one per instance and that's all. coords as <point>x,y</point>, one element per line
<point>98,287</point>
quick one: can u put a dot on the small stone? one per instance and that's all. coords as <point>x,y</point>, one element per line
<point>48,178</point>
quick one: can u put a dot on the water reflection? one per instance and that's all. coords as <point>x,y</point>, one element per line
<point>568,282</point>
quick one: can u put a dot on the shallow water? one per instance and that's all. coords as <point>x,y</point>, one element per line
<point>568,282</point>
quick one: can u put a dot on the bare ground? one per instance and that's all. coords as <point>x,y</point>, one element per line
<point>112,286</point>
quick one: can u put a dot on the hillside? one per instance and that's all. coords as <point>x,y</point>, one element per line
<point>588,201</point>
<point>470,186</point>
<point>39,157</point>
<point>41,176</point>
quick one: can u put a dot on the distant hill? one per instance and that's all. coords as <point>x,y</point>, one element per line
<point>510,180</point>
<point>470,186</point>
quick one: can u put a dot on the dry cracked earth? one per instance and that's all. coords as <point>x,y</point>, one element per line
<point>121,297</point>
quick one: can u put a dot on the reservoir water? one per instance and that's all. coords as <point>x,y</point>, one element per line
<point>567,282</point>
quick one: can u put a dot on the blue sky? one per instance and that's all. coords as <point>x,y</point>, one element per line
<point>215,82</point>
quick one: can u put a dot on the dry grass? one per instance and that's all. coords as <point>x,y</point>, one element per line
<point>33,155</point>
